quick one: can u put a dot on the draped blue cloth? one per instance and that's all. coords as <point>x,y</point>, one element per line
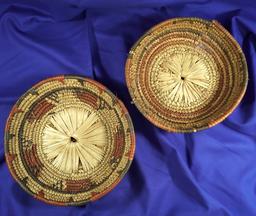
<point>212,172</point>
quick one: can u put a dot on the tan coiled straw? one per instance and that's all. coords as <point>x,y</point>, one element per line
<point>69,140</point>
<point>186,74</point>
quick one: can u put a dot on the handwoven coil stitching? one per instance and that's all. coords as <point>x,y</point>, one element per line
<point>203,33</point>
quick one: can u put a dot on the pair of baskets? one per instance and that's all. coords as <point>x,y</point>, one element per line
<point>69,140</point>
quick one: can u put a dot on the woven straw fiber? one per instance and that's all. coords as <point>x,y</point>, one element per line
<point>69,140</point>
<point>186,74</point>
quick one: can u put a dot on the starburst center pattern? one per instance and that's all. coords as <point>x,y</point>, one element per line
<point>74,138</point>
<point>183,78</point>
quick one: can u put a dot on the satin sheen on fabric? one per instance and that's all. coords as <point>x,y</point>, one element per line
<point>211,172</point>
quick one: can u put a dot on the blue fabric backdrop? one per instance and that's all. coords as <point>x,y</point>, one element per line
<point>212,172</point>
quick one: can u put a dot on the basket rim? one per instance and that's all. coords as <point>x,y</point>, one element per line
<point>103,192</point>
<point>210,124</point>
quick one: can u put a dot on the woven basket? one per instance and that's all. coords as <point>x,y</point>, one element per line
<point>68,140</point>
<point>186,74</point>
